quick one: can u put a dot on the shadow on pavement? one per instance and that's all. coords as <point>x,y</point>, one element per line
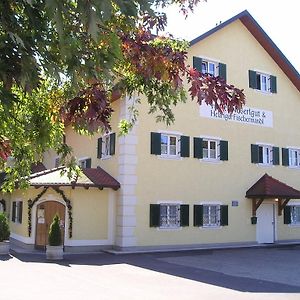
<point>154,262</point>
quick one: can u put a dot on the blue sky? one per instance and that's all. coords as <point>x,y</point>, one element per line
<point>279,19</point>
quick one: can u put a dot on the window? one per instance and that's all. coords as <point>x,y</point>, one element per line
<point>209,67</point>
<point>264,154</point>
<point>210,149</point>
<point>263,82</point>
<point>295,215</point>
<point>210,215</point>
<point>292,214</point>
<point>170,145</point>
<point>294,158</point>
<point>85,163</point>
<point>169,215</point>
<point>17,211</point>
<point>106,146</point>
<point>2,205</point>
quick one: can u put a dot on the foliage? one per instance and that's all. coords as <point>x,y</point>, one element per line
<point>4,227</point>
<point>54,237</point>
<point>64,62</point>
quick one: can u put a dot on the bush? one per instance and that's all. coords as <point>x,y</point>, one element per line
<point>54,238</point>
<point>4,228</point>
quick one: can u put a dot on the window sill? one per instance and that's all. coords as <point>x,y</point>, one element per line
<point>105,157</point>
<point>211,227</point>
<point>170,157</point>
<point>294,225</point>
<point>294,167</point>
<point>211,161</point>
<point>174,228</point>
<point>266,165</point>
<point>263,92</point>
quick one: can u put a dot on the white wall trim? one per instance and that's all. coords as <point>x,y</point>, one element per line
<point>87,242</point>
<point>170,132</point>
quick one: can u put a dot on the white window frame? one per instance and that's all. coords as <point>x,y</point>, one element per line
<point>210,223</point>
<point>293,221</point>
<point>268,82</point>
<point>168,224</point>
<point>177,145</point>
<point>106,146</point>
<point>16,221</point>
<point>209,63</point>
<point>294,162</point>
<point>267,154</point>
<point>81,161</point>
<point>217,149</point>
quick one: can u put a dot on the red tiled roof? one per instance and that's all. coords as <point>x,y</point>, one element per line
<point>90,177</point>
<point>269,187</point>
<point>101,178</point>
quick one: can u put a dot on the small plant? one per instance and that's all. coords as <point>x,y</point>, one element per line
<point>54,238</point>
<point>4,228</point>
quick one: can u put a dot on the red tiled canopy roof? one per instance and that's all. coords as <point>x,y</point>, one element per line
<point>268,187</point>
<point>90,177</point>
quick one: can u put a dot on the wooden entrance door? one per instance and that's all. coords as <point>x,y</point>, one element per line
<point>44,217</point>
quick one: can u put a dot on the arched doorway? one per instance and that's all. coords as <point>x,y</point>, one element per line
<point>44,216</point>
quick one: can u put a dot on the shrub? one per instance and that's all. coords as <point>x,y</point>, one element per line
<point>54,238</point>
<point>4,228</point>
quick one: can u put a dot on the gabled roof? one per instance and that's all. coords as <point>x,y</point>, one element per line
<point>264,40</point>
<point>91,177</point>
<point>269,187</point>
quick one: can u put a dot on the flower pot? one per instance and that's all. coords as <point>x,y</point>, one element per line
<point>54,252</point>
<point>4,248</point>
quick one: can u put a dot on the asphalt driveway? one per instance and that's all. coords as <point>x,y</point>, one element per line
<point>257,273</point>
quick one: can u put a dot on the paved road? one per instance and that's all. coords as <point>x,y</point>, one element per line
<point>269,273</point>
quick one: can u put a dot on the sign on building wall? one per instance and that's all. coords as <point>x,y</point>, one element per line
<point>246,115</point>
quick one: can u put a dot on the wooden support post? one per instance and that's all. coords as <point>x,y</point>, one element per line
<point>281,205</point>
<point>255,205</point>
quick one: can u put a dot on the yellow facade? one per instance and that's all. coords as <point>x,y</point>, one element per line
<point>152,179</point>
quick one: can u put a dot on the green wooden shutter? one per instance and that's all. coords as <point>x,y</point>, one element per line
<point>112,143</point>
<point>273,84</point>
<point>184,215</point>
<point>275,155</point>
<point>155,143</point>
<point>222,71</point>
<point>20,211</point>
<point>287,215</point>
<point>99,148</point>
<point>88,163</point>
<point>197,63</point>
<point>13,213</point>
<point>198,215</point>
<point>285,157</point>
<point>252,79</point>
<point>154,215</point>
<point>184,146</point>
<point>224,215</point>
<point>254,154</point>
<point>198,147</point>
<point>223,150</point>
